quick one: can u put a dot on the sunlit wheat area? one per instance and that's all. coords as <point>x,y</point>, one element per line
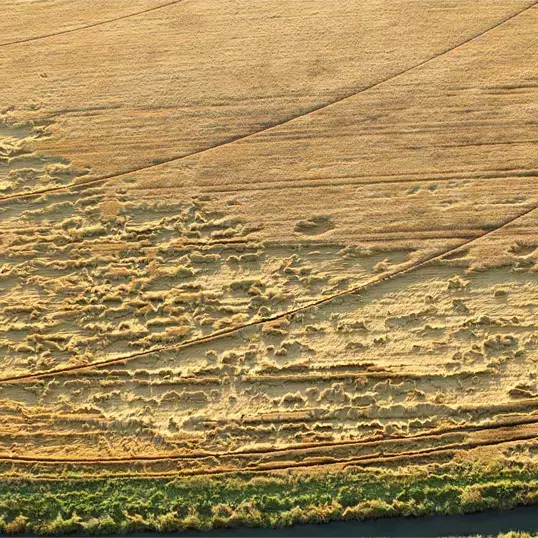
<point>266,262</point>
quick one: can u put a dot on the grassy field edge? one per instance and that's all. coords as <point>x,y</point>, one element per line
<point>104,506</point>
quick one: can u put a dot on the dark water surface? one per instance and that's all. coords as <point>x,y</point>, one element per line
<point>485,523</point>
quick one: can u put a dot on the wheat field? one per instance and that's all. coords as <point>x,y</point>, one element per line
<point>266,244</point>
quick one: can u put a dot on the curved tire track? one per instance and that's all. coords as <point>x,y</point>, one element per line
<point>293,448</point>
<point>337,99</point>
<point>276,317</point>
<point>363,461</point>
<point>93,25</point>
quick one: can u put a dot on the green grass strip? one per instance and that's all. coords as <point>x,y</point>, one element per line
<point>104,506</point>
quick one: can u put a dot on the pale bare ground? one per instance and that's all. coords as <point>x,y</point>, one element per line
<point>267,235</point>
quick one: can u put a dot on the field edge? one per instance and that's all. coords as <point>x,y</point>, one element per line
<point>104,506</point>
